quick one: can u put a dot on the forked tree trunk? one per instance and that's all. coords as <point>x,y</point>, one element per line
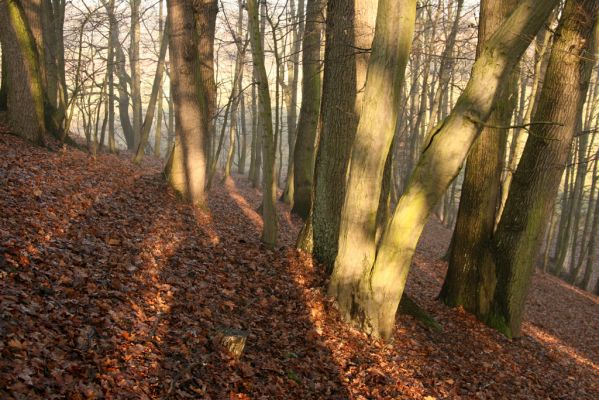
<point>466,283</point>
<point>357,232</point>
<point>370,286</point>
<point>537,178</point>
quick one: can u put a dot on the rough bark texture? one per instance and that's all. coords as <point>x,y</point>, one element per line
<point>305,140</point>
<point>187,172</point>
<point>374,305</point>
<point>349,25</point>
<point>357,231</point>
<point>467,283</point>
<point>537,178</point>
<point>25,93</point>
<point>206,12</point>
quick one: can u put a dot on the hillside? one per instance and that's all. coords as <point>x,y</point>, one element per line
<point>111,288</point>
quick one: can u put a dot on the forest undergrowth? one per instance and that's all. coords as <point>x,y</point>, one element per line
<point>112,288</point>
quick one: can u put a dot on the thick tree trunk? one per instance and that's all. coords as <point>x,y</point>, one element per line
<point>537,178</point>
<point>467,284</point>
<point>187,169</point>
<point>305,140</point>
<point>349,25</point>
<point>371,303</point>
<point>25,92</point>
<point>357,232</point>
<point>205,13</point>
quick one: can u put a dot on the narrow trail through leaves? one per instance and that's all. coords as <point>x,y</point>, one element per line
<point>112,288</point>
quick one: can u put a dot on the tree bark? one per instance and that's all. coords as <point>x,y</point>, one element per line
<point>538,175</point>
<point>187,169</point>
<point>357,231</point>
<point>467,283</point>
<point>269,213</point>
<point>25,93</point>
<point>371,303</point>
<point>305,139</point>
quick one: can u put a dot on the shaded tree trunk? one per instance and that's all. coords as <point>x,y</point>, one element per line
<point>305,140</point>
<point>538,175</point>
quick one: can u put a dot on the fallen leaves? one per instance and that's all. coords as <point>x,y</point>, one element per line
<point>111,288</point>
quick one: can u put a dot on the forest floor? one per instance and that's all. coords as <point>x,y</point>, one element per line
<point>112,288</point>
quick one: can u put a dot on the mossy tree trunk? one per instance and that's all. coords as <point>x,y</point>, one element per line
<point>467,283</point>
<point>25,92</point>
<point>269,212</point>
<point>536,180</point>
<point>371,285</point>
<point>305,139</point>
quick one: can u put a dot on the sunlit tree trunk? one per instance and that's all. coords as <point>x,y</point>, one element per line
<point>25,93</point>
<point>369,289</point>
<point>205,13</point>
<point>357,232</point>
<point>349,25</point>
<point>187,167</point>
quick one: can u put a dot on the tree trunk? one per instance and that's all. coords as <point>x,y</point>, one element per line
<point>305,139</point>
<point>357,232</point>
<point>372,302</point>
<point>466,283</point>
<point>156,93</point>
<point>269,213</point>
<point>25,93</point>
<point>205,14</point>
<point>537,177</point>
<point>349,25</point>
<point>187,169</point>
<point>134,62</point>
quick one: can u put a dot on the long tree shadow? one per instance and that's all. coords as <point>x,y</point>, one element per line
<point>238,284</point>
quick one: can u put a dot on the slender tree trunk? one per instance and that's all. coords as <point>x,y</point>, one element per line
<point>305,142</point>
<point>134,62</point>
<point>156,93</point>
<point>269,215</point>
